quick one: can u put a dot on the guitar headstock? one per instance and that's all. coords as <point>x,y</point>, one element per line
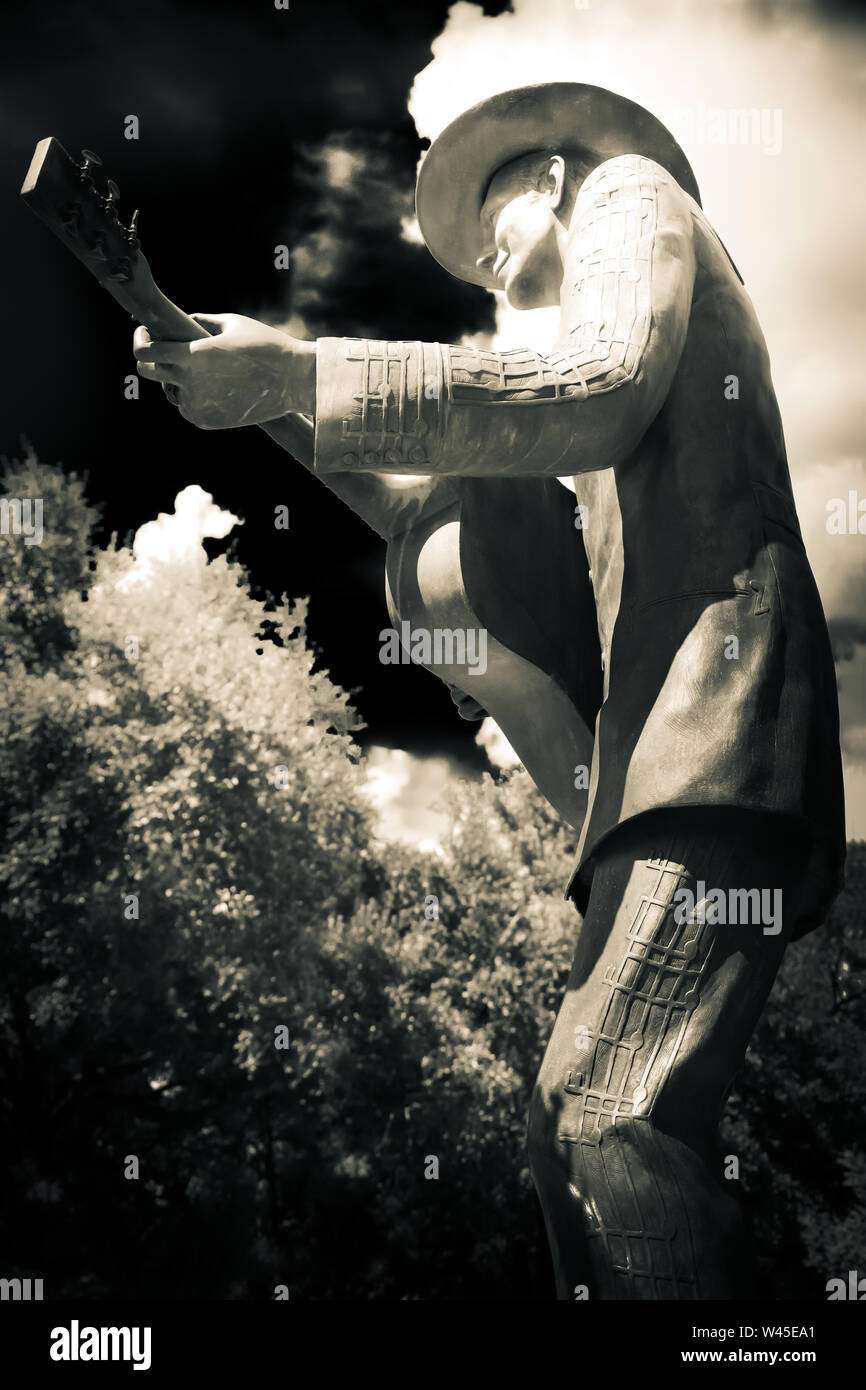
<point>64,194</point>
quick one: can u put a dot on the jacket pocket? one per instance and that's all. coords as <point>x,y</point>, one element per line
<point>696,593</point>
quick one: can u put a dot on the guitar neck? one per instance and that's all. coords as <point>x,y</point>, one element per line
<point>387,506</point>
<point>164,321</point>
<point>63,194</point>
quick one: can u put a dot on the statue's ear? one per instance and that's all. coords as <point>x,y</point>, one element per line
<point>554,180</point>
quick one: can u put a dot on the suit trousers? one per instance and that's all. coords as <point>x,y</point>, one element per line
<point>673,965</point>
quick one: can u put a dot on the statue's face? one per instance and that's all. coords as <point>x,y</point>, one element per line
<point>520,237</point>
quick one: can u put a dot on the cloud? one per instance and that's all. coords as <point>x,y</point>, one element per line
<point>855,798</point>
<point>178,535</point>
<point>499,751</point>
<point>846,636</point>
<point>838,560</point>
<point>359,266</point>
<point>410,794</point>
<point>410,230</point>
<point>852,705</point>
<point>852,715</point>
<point>413,794</point>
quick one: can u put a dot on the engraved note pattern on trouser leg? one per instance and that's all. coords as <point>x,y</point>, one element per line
<point>655,1020</point>
<point>652,994</point>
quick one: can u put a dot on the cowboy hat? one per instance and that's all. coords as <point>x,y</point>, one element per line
<point>456,170</point>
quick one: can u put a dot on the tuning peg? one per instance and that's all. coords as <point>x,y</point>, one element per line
<point>91,161</point>
<point>132,229</point>
<point>112,196</point>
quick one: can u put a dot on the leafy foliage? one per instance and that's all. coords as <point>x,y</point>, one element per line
<point>189,865</point>
<point>796,1117</point>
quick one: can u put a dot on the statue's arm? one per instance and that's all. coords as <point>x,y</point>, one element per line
<point>445,410</point>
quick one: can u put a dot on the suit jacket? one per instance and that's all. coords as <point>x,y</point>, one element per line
<point>719,684</point>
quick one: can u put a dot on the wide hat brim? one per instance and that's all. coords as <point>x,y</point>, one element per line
<point>456,170</point>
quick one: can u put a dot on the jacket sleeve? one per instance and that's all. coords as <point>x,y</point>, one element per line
<point>431,408</point>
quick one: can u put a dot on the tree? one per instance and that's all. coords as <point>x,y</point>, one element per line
<point>794,1116</point>
<point>244,1042</point>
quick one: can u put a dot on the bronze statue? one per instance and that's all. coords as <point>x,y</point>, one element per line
<point>713,742</point>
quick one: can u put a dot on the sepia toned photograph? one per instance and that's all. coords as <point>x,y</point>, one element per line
<point>433,584</point>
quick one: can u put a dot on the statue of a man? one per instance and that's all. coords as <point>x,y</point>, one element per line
<point>714,830</point>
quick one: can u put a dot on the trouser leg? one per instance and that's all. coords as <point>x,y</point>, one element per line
<point>656,1018</point>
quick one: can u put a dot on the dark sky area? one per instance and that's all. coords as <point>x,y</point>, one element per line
<point>238,108</point>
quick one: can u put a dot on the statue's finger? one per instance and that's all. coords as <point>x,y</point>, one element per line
<point>160,371</point>
<point>162,352</point>
<point>214,323</point>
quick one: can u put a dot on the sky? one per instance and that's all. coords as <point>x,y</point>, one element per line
<point>304,127</point>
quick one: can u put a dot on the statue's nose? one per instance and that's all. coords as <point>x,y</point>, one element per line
<point>485,262</point>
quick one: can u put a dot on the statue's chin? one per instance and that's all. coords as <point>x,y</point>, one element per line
<point>528,292</point>
<point>520,298</point>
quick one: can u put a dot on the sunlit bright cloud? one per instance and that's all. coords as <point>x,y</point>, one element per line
<point>491,738</point>
<point>178,535</point>
<point>410,794</point>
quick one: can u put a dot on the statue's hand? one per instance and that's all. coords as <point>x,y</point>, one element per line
<point>245,374</point>
<point>467,708</point>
